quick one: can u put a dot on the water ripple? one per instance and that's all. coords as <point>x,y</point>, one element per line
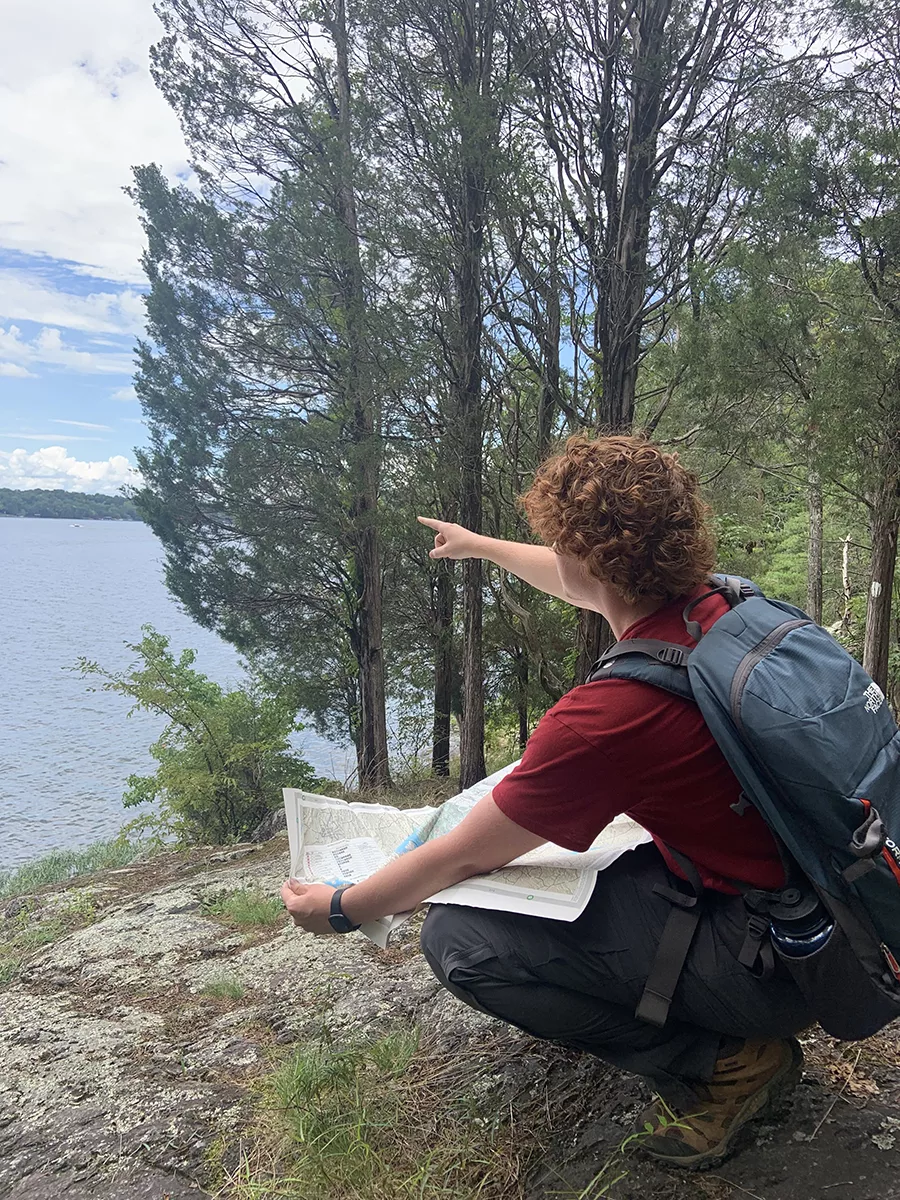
<point>66,752</point>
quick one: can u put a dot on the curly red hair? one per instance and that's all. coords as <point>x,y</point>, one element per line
<point>632,513</point>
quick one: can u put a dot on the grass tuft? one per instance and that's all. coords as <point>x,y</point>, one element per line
<point>245,906</point>
<point>20,938</point>
<point>63,865</point>
<point>224,987</point>
<point>370,1122</point>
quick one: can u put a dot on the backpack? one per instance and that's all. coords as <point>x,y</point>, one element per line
<point>816,750</point>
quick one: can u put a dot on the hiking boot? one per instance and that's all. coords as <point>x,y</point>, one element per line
<point>746,1083</point>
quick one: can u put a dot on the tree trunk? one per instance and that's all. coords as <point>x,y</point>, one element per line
<point>522,695</point>
<point>549,403</point>
<point>443,669</point>
<point>884,522</point>
<point>623,268</point>
<point>814,557</point>
<point>471,733</point>
<point>846,588</point>
<point>364,458</point>
<point>592,638</point>
<point>469,373</point>
<point>373,749</point>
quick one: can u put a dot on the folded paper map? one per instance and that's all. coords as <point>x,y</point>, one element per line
<point>333,841</point>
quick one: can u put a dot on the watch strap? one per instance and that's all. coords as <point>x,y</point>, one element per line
<point>337,919</point>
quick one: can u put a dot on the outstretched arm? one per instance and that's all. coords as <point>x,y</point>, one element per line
<point>484,840</point>
<point>534,564</point>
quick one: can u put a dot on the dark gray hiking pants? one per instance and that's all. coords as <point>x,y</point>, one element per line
<point>579,982</point>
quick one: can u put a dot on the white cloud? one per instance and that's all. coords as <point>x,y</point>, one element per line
<point>15,371</point>
<point>78,108</point>
<point>83,424</point>
<point>125,393</point>
<point>52,467</point>
<point>25,298</point>
<point>50,349</point>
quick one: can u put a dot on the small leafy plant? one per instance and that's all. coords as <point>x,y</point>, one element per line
<point>223,757</point>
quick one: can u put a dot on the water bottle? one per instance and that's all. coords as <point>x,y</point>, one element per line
<point>801,924</point>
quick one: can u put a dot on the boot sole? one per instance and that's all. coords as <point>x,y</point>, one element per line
<point>767,1099</point>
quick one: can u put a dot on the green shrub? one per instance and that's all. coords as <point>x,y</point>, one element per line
<point>223,757</point>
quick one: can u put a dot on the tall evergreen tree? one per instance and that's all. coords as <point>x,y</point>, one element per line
<point>857,140</point>
<point>640,105</point>
<point>271,356</point>
<point>444,76</point>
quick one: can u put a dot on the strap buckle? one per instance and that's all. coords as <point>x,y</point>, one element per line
<point>757,929</point>
<point>674,656</point>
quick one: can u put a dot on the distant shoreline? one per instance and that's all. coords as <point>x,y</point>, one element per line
<point>66,506</point>
<point>63,517</point>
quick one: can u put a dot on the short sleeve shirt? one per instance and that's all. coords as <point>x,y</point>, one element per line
<point>620,746</point>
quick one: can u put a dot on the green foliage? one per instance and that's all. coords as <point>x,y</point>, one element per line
<point>223,757</point>
<point>245,906</point>
<point>80,906</point>
<point>773,552</point>
<point>74,506</point>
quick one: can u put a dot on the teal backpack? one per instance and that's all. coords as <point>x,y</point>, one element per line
<point>816,750</point>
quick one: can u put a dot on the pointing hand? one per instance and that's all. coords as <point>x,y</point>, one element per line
<point>453,541</point>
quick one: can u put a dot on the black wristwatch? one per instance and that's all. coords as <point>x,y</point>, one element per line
<point>336,919</point>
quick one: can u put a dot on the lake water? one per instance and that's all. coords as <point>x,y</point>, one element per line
<point>65,753</point>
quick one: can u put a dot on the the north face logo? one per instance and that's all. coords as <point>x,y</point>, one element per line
<point>874,698</point>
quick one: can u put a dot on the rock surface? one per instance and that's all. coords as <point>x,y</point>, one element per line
<point>119,1068</point>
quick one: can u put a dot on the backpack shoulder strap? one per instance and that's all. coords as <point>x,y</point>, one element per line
<point>735,590</point>
<point>662,664</point>
<point>664,652</point>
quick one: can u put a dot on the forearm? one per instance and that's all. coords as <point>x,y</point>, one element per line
<point>404,883</point>
<point>535,565</point>
<point>484,840</point>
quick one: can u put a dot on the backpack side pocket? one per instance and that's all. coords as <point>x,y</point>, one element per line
<point>851,997</point>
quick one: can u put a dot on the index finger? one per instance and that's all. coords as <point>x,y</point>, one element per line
<point>432,523</point>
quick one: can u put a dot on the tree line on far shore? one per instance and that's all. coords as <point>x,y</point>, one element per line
<point>427,240</point>
<point>73,506</point>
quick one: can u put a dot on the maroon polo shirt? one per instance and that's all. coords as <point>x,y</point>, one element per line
<point>619,746</point>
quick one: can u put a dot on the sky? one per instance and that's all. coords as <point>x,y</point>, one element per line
<point>78,110</point>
